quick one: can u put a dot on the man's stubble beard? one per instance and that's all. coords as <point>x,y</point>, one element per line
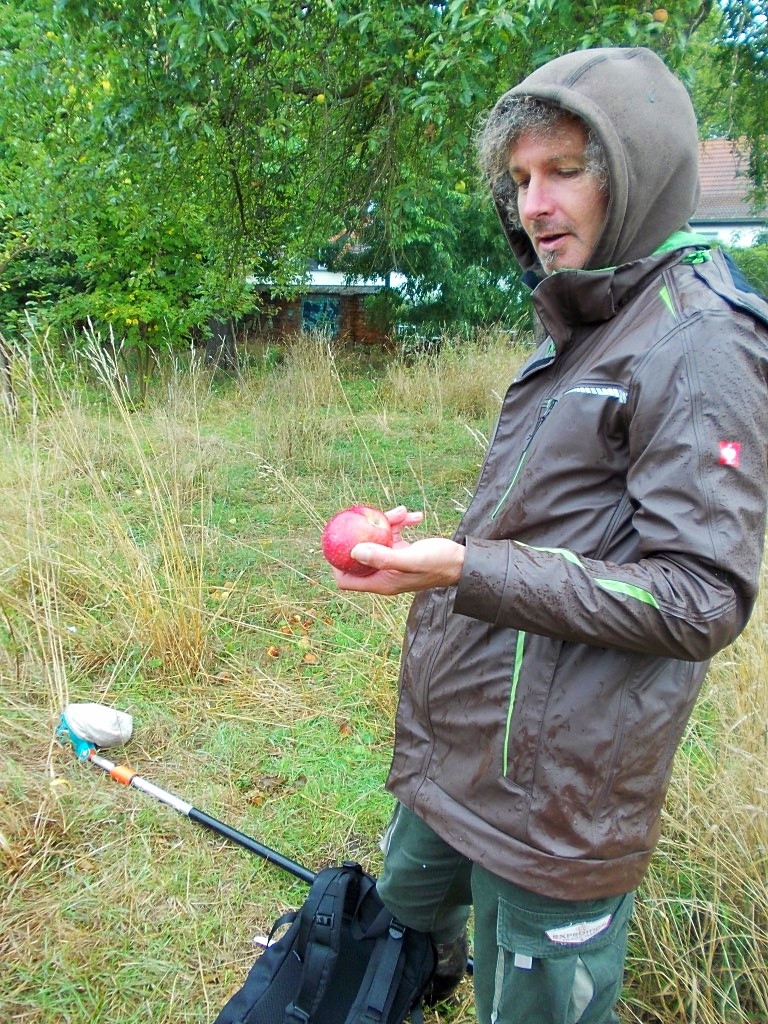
<point>548,261</point>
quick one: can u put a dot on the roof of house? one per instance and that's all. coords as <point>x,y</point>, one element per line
<point>321,281</point>
<point>725,185</point>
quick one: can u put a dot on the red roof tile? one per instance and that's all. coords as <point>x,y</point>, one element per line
<point>725,184</point>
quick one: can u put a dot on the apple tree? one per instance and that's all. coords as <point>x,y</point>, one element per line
<point>169,149</point>
<point>729,81</point>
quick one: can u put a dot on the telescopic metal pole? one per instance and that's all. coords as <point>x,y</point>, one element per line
<point>85,751</point>
<point>128,777</point>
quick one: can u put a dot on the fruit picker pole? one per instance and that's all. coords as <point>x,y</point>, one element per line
<point>86,726</point>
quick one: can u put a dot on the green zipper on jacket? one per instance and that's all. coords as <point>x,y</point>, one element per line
<point>545,410</point>
<point>516,670</point>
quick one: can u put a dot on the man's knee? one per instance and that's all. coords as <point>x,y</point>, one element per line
<point>424,882</point>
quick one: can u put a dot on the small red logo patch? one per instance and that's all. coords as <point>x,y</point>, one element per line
<point>730,453</point>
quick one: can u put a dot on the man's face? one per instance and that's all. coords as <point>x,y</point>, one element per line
<point>561,204</point>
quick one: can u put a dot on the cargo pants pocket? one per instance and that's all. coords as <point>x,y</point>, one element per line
<point>559,965</point>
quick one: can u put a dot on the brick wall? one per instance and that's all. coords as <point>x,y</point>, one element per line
<point>353,326</point>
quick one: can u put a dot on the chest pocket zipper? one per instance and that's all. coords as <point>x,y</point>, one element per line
<point>544,411</point>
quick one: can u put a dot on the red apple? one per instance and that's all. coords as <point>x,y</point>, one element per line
<point>354,526</point>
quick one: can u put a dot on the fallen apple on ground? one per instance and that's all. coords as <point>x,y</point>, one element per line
<point>356,525</point>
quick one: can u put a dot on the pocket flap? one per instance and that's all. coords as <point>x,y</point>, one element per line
<point>551,933</point>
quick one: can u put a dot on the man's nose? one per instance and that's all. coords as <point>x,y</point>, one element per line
<point>536,200</point>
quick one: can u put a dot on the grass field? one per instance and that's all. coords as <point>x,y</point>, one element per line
<point>164,559</point>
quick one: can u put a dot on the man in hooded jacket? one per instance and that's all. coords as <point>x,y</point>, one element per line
<point>556,645</point>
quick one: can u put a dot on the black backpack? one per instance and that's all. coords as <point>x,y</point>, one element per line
<point>344,960</point>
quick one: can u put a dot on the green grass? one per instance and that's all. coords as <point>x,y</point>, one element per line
<point>165,560</point>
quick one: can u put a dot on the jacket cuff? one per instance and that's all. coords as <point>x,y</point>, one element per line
<point>480,590</point>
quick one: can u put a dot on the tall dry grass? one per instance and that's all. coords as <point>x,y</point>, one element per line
<point>699,950</point>
<point>106,540</point>
<point>164,559</point>
<point>295,412</point>
<point>462,379</point>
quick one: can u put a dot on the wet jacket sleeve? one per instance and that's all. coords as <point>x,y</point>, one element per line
<point>697,484</point>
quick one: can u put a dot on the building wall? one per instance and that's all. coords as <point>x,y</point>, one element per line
<point>347,322</point>
<point>354,325</point>
<point>744,235</point>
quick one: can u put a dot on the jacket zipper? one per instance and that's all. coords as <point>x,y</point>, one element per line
<point>516,670</point>
<point>544,411</point>
<point>428,675</point>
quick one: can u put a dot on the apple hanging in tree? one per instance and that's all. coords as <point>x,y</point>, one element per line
<point>355,525</point>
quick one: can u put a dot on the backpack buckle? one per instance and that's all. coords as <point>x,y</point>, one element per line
<point>294,1013</point>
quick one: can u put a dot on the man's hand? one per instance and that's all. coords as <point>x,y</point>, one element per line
<point>405,568</point>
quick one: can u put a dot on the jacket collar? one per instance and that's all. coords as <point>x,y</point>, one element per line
<point>571,299</point>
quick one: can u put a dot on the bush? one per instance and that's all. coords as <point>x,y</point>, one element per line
<point>753,263</point>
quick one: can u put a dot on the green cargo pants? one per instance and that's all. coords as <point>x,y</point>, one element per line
<point>536,959</point>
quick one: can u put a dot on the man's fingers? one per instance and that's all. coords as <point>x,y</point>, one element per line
<point>400,517</point>
<point>376,555</point>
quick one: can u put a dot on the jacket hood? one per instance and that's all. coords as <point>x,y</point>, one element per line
<point>644,118</point>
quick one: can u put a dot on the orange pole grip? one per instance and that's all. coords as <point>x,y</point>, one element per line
<point>122,773</point>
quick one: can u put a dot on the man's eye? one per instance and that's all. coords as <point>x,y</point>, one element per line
<point>522,184</point>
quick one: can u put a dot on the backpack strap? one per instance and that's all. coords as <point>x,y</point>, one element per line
<point>281,922</point>
<point>382,975</point>
<point>732,286</point>
<point>322,916</point>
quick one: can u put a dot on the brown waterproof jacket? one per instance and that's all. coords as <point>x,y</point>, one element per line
<point>613,546</point>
